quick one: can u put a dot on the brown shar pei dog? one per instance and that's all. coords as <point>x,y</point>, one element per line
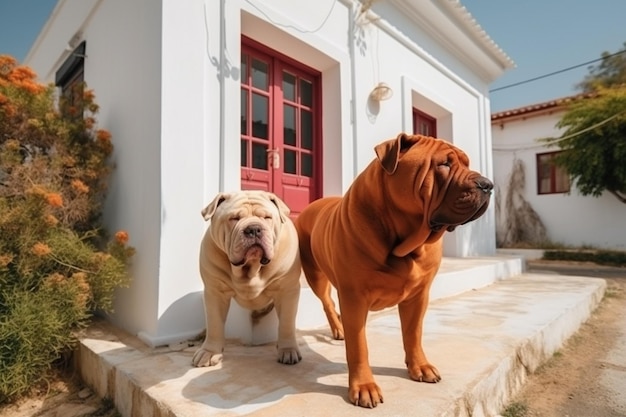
<point>249,253</point>
<point>380,246</point>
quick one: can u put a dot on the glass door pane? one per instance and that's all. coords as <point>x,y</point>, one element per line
<point>289,125</point>
<point>256,120</point>
<point>260,116</point>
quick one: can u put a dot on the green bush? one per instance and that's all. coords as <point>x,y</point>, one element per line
<point>57,265</point>
<point>601,257</point>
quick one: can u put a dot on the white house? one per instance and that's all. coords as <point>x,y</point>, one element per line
<point>203,96</point>
<point>567,217</point>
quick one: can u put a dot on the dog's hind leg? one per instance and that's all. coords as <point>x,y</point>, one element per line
<point>322,288</point>
<point>317,280</point>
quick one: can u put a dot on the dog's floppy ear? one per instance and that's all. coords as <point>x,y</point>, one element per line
<point>209,210</point>
<point>282,207</point>
<point>388,152</point>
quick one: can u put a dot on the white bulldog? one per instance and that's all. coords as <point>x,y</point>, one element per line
<point>249,253</point>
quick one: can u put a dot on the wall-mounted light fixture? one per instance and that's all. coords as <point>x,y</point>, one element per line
<point>381,92</point>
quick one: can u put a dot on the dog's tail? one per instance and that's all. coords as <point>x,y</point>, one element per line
<point>257,315</point>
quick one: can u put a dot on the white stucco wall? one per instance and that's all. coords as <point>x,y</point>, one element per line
<point>123,67</point>
<point>570,219</point>
<point>168,84</point>
<point>433,81</point>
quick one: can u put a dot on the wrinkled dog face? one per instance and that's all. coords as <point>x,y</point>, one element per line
<point>467,192</point>
<point>246,224</point>
<point>443,186</point>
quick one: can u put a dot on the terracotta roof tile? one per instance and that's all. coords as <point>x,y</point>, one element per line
<point>538,107</point>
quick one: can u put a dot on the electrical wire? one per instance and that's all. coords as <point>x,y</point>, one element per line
<point>555,72</point>
<point>332,6</point>
<point>553,141</point>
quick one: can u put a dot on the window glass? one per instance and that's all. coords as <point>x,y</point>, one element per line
<point>260,74</point>
<point>289,86</point>
<point>289,128</point>
<point>306,129</point>
<point>244,153</point>
<point>307,164</point>
<point>244,112</point>
<point>290,161</point>
<point>551,178</point>
<point>244,69</point>
<point>260,116</point>
<point>259,156</point>
<point>306,93</point>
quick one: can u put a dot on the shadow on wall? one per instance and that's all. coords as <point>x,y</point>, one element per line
<point>183,319</point>
<point>519,222</point>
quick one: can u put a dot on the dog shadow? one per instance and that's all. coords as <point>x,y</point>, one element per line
<point>250,378</point>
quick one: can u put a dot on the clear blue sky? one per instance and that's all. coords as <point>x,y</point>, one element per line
<point>20,23</point>
<point>541,36</point>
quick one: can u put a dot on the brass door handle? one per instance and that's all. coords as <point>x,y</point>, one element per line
<point>274,157</point>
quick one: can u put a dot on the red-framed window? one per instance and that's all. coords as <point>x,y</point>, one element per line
<point>551,178</point>
<point>424,124</point>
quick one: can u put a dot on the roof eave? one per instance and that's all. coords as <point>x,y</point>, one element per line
<point>538,109</point>
<point>449,22</point>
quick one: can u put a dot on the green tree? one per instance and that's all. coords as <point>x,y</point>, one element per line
<point>609,72</point>
<point>594,142</point>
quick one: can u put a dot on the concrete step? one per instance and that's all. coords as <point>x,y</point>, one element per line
<point>484,343</point>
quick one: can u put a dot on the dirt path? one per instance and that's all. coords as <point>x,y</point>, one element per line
<point>63,396</point>
<point>587,377</point>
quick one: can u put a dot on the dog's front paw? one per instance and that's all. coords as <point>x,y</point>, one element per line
<point>424,373</point>
<point>204,357</point>
<point>289,356</point>
<point>366,395</point>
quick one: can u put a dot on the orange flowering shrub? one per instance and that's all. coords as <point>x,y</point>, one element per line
<point>57,264</point>
<point>54,200</point>
<point>41,249</point>
<point>121,237</point>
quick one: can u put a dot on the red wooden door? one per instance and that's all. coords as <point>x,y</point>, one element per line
<point>280,141</point>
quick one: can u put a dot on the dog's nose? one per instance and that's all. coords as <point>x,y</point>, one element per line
<point>484,184</point>
<point>252,231</point>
